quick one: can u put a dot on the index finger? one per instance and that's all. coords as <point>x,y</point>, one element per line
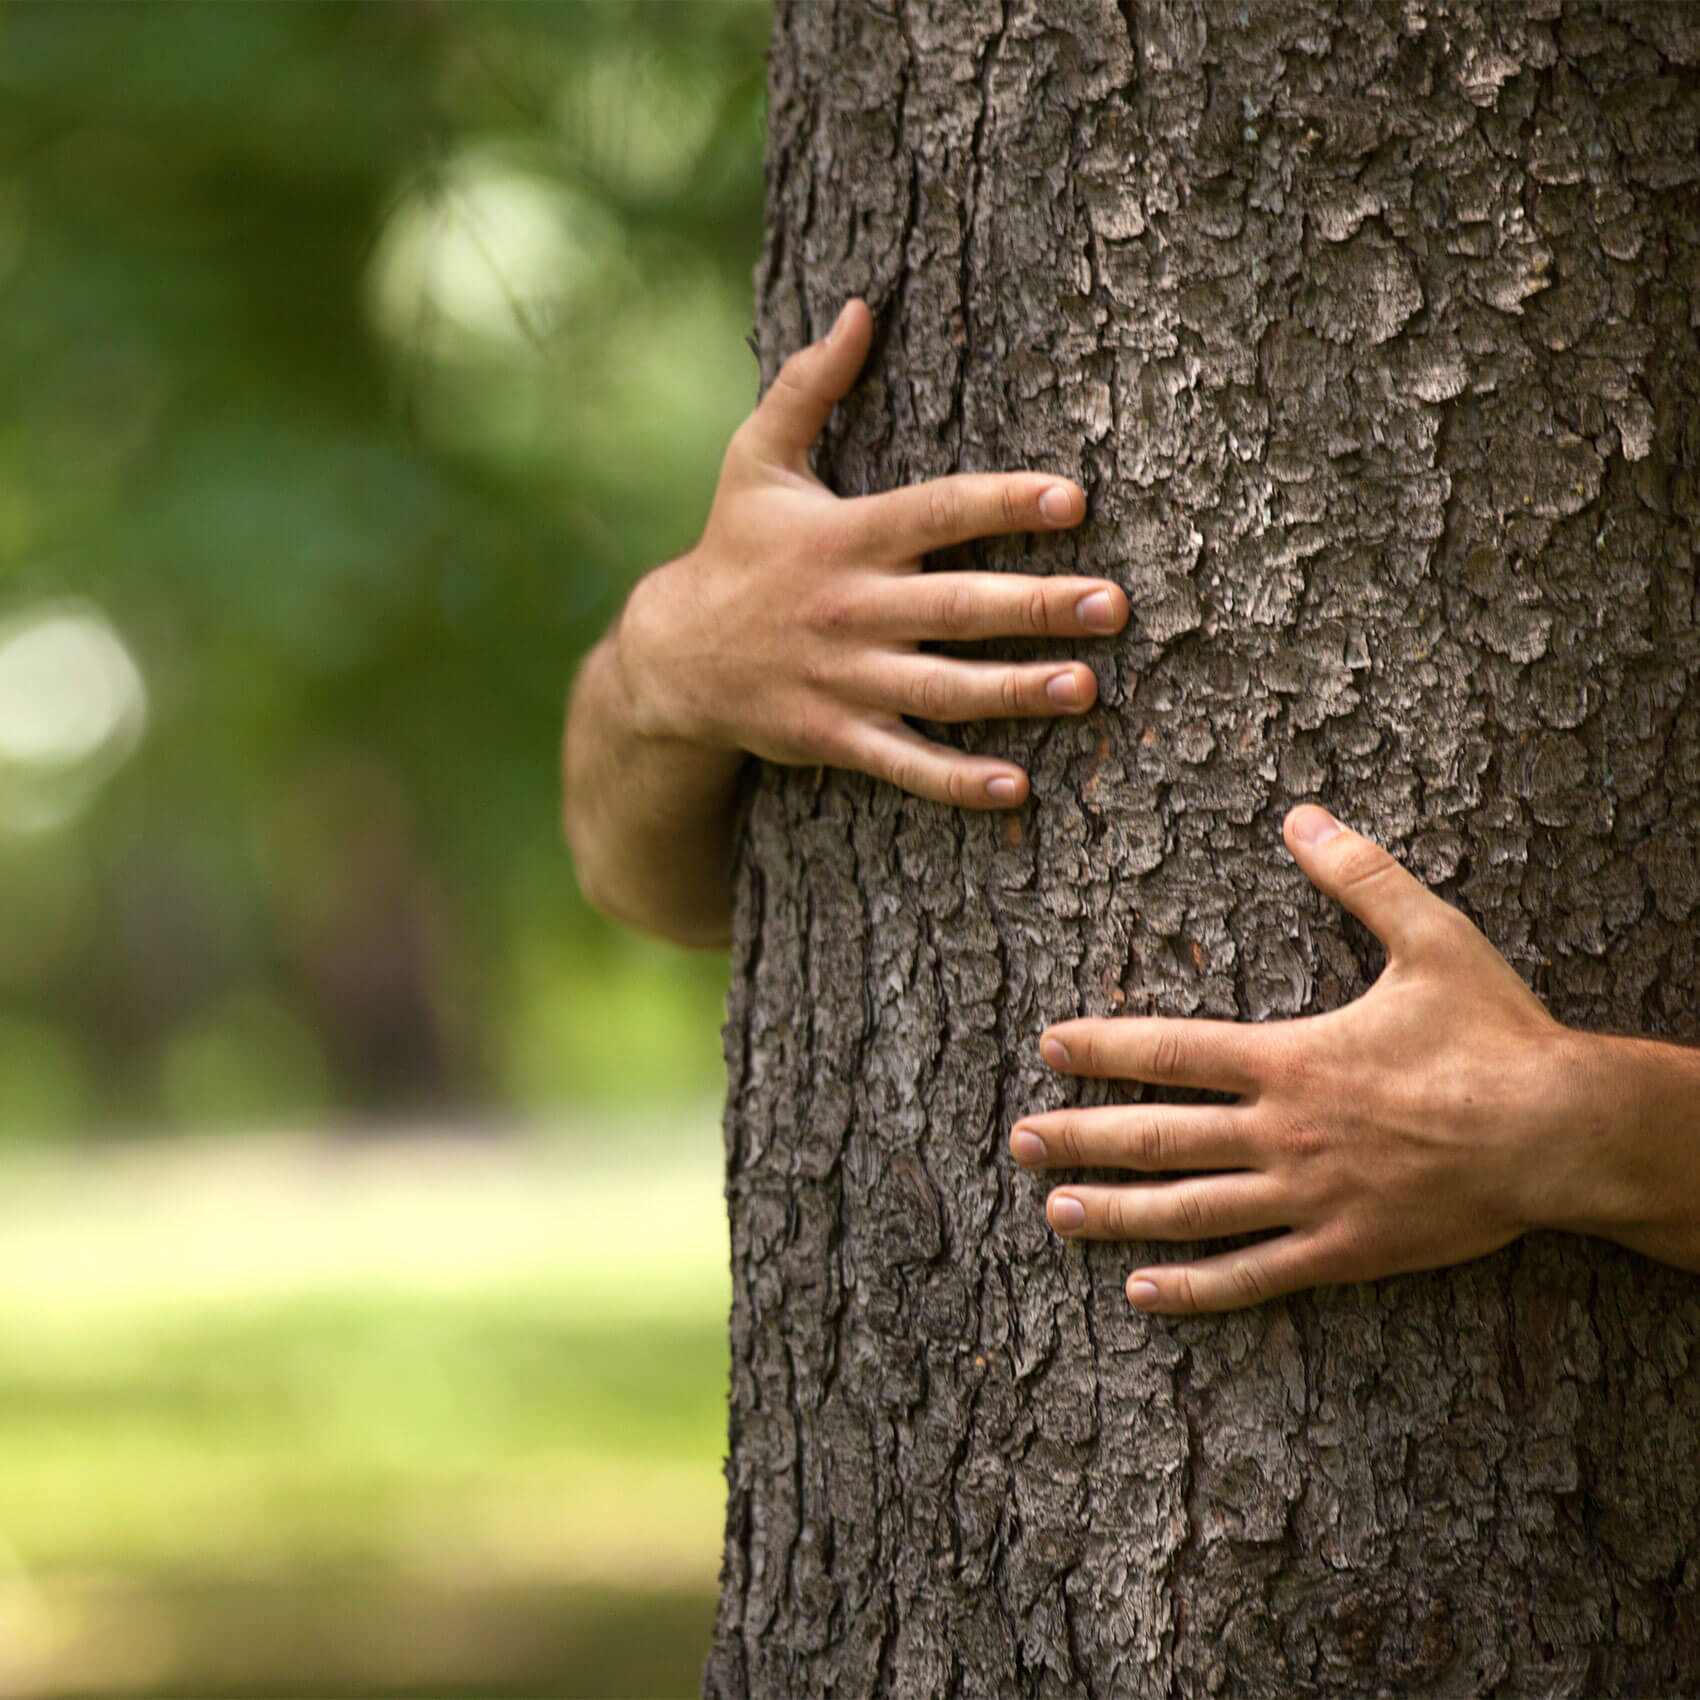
<point>810,384</point>
<point>1216,1056</point>
<point>913,521</point>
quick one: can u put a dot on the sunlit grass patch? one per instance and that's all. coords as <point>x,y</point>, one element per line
<point>461,1367</point>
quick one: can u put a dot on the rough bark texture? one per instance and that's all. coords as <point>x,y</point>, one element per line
<point>1372,334</point>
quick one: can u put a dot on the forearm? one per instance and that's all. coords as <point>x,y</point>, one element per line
<point>1640,1125</point>
<point>648,818</point>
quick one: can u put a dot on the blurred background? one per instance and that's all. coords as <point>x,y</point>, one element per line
<point>361,1244</point>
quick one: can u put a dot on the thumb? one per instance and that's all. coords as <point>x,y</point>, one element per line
<point>799,401</point>
<point>1363,879</point>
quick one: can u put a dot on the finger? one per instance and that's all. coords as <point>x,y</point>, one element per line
<point>810,384</point>
<point>1361,877</point>
<point>907,523</point>
<point>1207,1208</point>
<point>1246,1276</point>
<point>968,607</point>
<point>934,687</point>
<point>1220,1056</point>
<point>1150,1137</point>
<point>899,755</point>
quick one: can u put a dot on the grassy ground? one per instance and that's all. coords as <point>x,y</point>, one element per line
<point>435,1414</point>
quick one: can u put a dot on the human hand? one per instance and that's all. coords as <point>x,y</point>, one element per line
<point>1428,1122</point>
<point>791,629</point>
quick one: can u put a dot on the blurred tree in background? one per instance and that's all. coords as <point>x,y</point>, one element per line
<point>353,360</point>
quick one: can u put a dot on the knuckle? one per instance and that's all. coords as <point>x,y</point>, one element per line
<point>832,616</point>
<point>1320,1072</point>
<point>952,609</point>
<point>933,693</point>
<point>1189,1213</point>
<point>905,774</point>
<point>746,463</point>
<point>1168,1053</point>
<point>1454,918</point>
<point>1150,1143</point>
<point>809,734</point>
<point>1344,1257</point>
<point>1289,1072</point>
<point>1069,1145</point>
<point>1248,1282</point>
<point>794,373</point>
<point>835,541</point>
<point>956,787</point>
<point>741,445</point>
<point>1447,927</point>
<point>1009,510</point>
<point>1035,612</point>
<point>1299,1139</point>
<point>830,747</point>
<point>943,506</point>
<point>812,669</point>
<point>1185,1295</point>
<point>1012,691</point>
<point>1362,864</point>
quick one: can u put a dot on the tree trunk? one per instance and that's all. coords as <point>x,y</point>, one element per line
<point>1372,335</point>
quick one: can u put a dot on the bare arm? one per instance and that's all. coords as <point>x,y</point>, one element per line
<point>792,632</point>
<point>1439,1116</point>
<point>1641,1114</point>
<point>648,817</point>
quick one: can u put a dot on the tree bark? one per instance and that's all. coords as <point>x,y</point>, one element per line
<point>1372,334</point>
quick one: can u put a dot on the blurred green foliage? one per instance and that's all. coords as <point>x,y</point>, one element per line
<point>353,361</point>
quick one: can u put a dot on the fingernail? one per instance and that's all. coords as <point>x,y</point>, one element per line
<point>1026,1146</point>
<point>1057,505</point>
<point>839,323</point>
<point>1055,1052</point>
<point>1002,789</point>
<point>1068,1215</point>
<point>1142,1293</point>
<point>1313,825</point>
<point>1064,690</point>
<point>1095,612</point>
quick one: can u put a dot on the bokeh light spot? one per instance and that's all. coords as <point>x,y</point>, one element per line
<point>72,708</point>
<point>481,259</point>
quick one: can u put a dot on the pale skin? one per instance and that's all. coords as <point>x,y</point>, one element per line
<point>791,632</point>
<point>1433,1120</point>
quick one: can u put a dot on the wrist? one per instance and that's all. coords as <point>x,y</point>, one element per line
<point>652,664</point>
<point>639,644</point>
<point>1632,1168</point>
<point>649,669</point>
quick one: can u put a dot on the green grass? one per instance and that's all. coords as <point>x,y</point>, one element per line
<point>467,1369</point>
<point>347,1431</point>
